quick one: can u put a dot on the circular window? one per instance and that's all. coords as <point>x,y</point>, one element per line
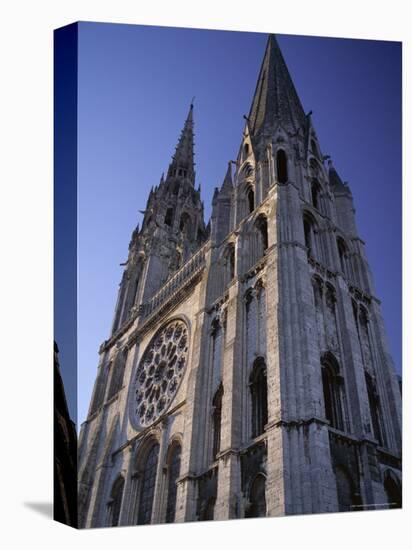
<point>159,373</point>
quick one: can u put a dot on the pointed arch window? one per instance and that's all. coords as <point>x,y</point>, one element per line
<point>309,230</point>
<point>229,263</point>
<point>262,227</point>
<point>316,189</point>
<point>148,483</point>
<point>331,382</point>
<point>258,390</point>
<point>173,471</point>
<point>257,498</point>
<point>245,151</point>
<point>282,166</point>
<point>343,256</point>
<point>115,502</point>
<point>374,408</point>
<point>250,195</point>
<point>118,368</point>
<point>217,420</point>
<point>169,217</point>
<point>317,286</point>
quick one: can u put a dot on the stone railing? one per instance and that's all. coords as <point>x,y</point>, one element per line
<point>185,274</point>
<point>172,288</point>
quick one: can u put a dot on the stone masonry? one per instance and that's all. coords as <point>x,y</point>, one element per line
<point>247,372</point>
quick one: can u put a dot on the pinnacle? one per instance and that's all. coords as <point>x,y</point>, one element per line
<point>227,182</point>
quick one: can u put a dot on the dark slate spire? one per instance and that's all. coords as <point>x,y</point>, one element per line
<point>182,165</point>
<point>275,99</point>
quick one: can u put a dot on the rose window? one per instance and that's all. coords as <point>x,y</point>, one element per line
<point>159,373</point>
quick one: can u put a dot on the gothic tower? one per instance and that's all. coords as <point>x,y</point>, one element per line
<point>248,372</point>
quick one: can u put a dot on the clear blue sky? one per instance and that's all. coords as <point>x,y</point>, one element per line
<point>135,86</point>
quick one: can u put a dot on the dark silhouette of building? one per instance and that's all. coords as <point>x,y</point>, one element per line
<point>65,454</point>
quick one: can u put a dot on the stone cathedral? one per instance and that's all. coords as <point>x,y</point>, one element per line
<point>247,373</point>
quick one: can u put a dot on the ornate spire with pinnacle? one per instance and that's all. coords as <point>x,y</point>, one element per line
<point>275,98</point>
<point>182,165</point>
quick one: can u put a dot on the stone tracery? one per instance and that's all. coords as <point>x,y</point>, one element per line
<point>159,373</point>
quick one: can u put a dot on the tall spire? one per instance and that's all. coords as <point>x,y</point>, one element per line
<point>275,99</point>
<point>182,165</point>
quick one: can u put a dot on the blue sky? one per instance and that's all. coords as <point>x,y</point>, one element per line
<point>135,86</point>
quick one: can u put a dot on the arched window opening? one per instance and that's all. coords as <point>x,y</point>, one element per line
<point>317,286</point>
<point>374,408</point>
<point>348,499</point>
<point>257,498</point>
<point>173,474</point>
<point>184,225</point>
<point>217,420</point>
<point>393,490</point>
<point>282,166</point>
<point>169,217</point>
<point>330,297</point>
<point>262,227</point>
<point>148,482</point>
<point>259,394</point>
<point>250,199</point>
<point>363,319</point>
<point>316,194</point>
<point>343,255</point>
<point>118,368</point>
<point>115,502</point>
<point>229,263</point>
<point>331,382</point>
<point>309,234</point>
<point>245,150</point>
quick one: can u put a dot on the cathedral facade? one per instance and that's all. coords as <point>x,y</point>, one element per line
<point>247,373</point>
